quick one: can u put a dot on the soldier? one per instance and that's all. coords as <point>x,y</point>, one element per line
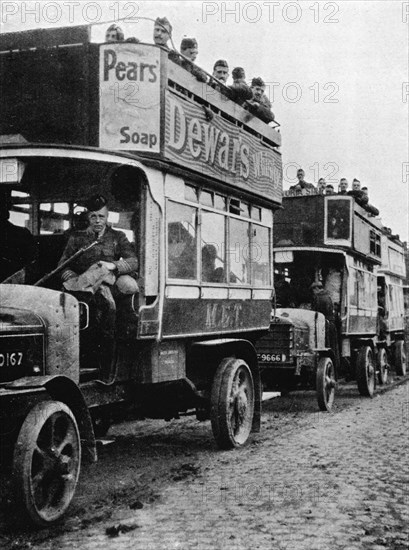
<point>302,187</point>
<point>240,92</point>
<point>329,189</point>
<point>162,31</point>
<point>357,193</point>
<point>369,207</point>
<point>322,303</point>
<point>17,246</point>
<point>189,48</point>
<point>321,186</point>
<point>221,70</point>
<point>114,33</point>
<point>259,105</point>
<point>104,270</point>
<point>343,186</point>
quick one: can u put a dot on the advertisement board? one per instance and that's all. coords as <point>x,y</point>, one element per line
<point>129,105</point>
<point>220,149</point>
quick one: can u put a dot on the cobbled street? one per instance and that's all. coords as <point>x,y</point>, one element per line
<point>308,481</point>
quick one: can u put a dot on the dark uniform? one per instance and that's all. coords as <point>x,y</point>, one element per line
<point>322,303</point>
<point>112,246</point>
<point>17,249</point>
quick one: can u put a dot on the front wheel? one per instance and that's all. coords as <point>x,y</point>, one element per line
<point>399,357</point>
<point>383,366</point>
<point>325,380</point>
<point>365,371</point>
<point>47,459</point>
<point>232,403</point>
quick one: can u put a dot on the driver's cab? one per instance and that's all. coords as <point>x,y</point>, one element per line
<point>49,200</point>
<point>50,203</point>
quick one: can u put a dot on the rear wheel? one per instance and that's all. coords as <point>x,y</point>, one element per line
<point>399,357</point>
<point>47,458</point>
<point>365,371</point>
<point>232,403</point>
<point>382,366</point>
<point>325,383</point>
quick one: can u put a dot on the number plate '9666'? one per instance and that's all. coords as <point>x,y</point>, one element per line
<point>11,359</point>
<point>271,357</point>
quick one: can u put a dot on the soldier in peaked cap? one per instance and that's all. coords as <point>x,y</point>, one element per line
<point>104,271</point>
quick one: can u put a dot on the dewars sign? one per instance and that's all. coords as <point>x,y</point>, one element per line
<point>220,149</point>
<point>129,106</point>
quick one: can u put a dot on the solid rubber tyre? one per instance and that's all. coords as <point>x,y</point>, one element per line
<point>47,460</point>
<point>399,357</point>
<point>365,371</point>
<point>325,383</point>
<point>383,366</point>
<point>232,403</point>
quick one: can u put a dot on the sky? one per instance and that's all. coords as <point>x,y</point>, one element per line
<point>337,74</point>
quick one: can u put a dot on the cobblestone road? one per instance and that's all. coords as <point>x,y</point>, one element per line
<point>309,481</point>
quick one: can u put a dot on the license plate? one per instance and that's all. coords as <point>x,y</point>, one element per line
<point>271,357</point>
<point>11,359</point>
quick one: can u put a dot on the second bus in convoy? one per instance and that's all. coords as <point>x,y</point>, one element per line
<point>354,325</point>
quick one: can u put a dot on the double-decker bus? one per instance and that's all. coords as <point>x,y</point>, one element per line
<point>334,241</point>
<point>193,180</point>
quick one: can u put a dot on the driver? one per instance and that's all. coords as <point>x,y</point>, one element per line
<point>105,270</point>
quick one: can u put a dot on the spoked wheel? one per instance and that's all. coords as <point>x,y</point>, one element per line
<point>399,357</point>
<point>47,459</point>
<point>326,383</point>
<point>365,371</point>
<point>232,403</point>
<point>382,366</point>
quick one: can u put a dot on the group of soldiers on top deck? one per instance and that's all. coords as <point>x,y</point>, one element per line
<point>305,188</point>
<point>252,98</point>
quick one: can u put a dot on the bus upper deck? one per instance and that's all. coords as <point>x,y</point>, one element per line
<point>58,87</point>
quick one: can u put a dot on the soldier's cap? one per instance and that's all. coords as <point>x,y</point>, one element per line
<point>257,81</point>
<point>165,22</point>
<point>188,43</point>
<point>220,63</point>
<point>316,285</point>
<point>238,72</point>
<point>95,203</point>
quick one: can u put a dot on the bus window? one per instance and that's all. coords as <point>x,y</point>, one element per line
<point>260,251</point>
<point>220,202</point>
<point>353,287</point>
<point>239,252</point>
<point>206,198</point>
<point>54,218</point>
<point>190,193</point>
<point>213,246</point>
<point>182,241</point>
